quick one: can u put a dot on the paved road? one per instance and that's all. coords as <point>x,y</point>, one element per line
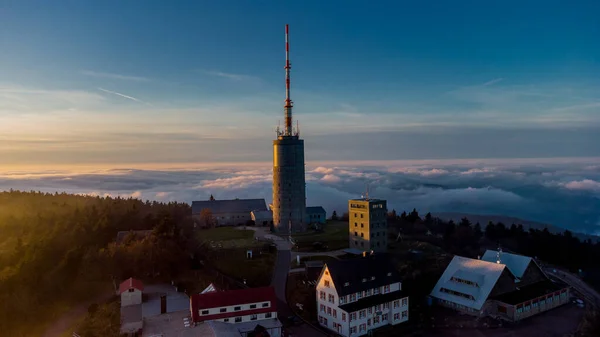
<point>279,282</point>
<point>590,294</point>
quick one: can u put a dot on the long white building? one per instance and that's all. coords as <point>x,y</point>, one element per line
<point>358,295</point>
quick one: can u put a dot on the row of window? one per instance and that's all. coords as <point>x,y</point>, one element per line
<point>457,293</point>
<point>548,300</point>
<point>467,282</point>
<point>238,319</point>
<point>369,292</point>
<point>237,308</point>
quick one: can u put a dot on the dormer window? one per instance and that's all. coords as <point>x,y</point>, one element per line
<point>389,274</point>
<point>372,278</point>
<point>364,280</point>
<point>346,284</point>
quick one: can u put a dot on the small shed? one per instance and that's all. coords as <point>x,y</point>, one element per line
<point>130,291</point>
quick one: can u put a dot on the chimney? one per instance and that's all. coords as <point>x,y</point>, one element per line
<point>163,304</point>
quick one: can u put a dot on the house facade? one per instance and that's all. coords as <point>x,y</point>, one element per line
<point>367,224</point>
<point>358,295</point>
<point>502,285</point>
<point>234,212</point>
<point>316,214</point>
<point>130,291</point>
<point>242,307</point>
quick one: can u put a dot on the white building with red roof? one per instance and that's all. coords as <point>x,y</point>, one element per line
<point>245,308</point>
<point>130,291</point>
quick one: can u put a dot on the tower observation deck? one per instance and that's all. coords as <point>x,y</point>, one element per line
<point>289,187</point>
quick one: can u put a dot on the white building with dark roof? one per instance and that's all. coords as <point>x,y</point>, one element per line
<point>502,285</point>
<point>358,295</point>
<point>234,212</point>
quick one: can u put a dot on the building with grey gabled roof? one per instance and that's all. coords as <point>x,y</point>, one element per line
<point>502,285</point>
<point>229,212</point>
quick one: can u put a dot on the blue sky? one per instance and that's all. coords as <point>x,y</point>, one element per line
<point>153,81</point>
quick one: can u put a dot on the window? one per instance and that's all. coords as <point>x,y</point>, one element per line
<point>322,295</point>
<point>535,304</point>
<point>320,319</point>
<point>376,291</point>
<point>396,316</point>
<point>396,304</point>
<point>331,299</point>
<point>268,315</point>
<point>355,233</point>
<point>386,305</point>
<point>352,297</point>
<point>355,215</point>
<point>237,308</point>
<point>325,321</point>
<point>378,307</point>
<point>353,329</point>
<point>266,304</point>
<point>386,289</point>
<point>405,314</point>
<point>362,314</point>
<point>204,312</point>
<point>329,311</point>
<point>359,295</point>
<point>456,293</point>
<point>252,306</point>
<point>327,284</point>
<point>375,320</point>
<point>343,316</point>
<point>253,317</point>
<point>334,313</point>
<point>238,319</point>
<point>362,235</point>
<point>226,320</point>
<point>369,322</point>
<point>343,300</point>
<point>369,292</point>
<point>223,310</point>
<point>362,225</point>
<point>363,327</point>
<point>370,310</point>
<point>384,317</point>
<point>361,216</point>
<point>322,307</point>
<point>131,290</point>
<point>355,224</point>
<point>372,278</point>
<point>353,316</point>
<point>404,302</point>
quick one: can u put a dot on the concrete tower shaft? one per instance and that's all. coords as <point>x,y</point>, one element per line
<point>289,187</point>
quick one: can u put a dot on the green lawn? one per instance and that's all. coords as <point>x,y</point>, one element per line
<point>227,237</point>
<point>334,236</point>
<point>257,271</point>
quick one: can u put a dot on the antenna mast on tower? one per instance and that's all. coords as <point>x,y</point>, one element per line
<point>288,100</point>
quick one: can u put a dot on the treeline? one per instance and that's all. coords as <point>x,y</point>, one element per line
<point>58,247</point>
<point>468,239</point>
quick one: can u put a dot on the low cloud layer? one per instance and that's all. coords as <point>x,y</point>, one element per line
<point>560,192</point>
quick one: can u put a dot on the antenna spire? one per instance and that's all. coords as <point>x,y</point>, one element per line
<point>288,100</point>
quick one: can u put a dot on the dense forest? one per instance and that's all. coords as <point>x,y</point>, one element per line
<point>57,249</point>
<point>467,239</point>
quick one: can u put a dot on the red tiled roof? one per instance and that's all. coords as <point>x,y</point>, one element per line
<point>131,283</point>
<point>232,298</point>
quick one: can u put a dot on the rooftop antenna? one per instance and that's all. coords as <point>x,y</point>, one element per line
<point>367,194</point>
<point>498,260</point>
<point>278,128</point>
<point>288,100</point>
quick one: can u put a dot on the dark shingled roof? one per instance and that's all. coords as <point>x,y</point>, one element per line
<point>315,209</point>
<point>530,292</point>
<point>354,271</point>
<point>371,301</point>
<point>230,206</point>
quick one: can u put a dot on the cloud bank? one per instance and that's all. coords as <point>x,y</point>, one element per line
<point>565,193</point>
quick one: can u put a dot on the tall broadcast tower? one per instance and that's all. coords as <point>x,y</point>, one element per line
<point>289,188</point>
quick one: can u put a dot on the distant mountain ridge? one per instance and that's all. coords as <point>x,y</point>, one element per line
<point>483,220</point>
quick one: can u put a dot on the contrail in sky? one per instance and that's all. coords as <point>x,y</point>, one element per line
<point>124,96</point>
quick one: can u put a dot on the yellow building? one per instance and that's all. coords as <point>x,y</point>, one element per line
<point>367,224</point>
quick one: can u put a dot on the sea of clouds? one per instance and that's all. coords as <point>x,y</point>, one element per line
<point>562,192</point>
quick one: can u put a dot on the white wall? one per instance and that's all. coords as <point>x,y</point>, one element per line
<point>242,312</point>
<point>344,327</point>
<point>131,297</point>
